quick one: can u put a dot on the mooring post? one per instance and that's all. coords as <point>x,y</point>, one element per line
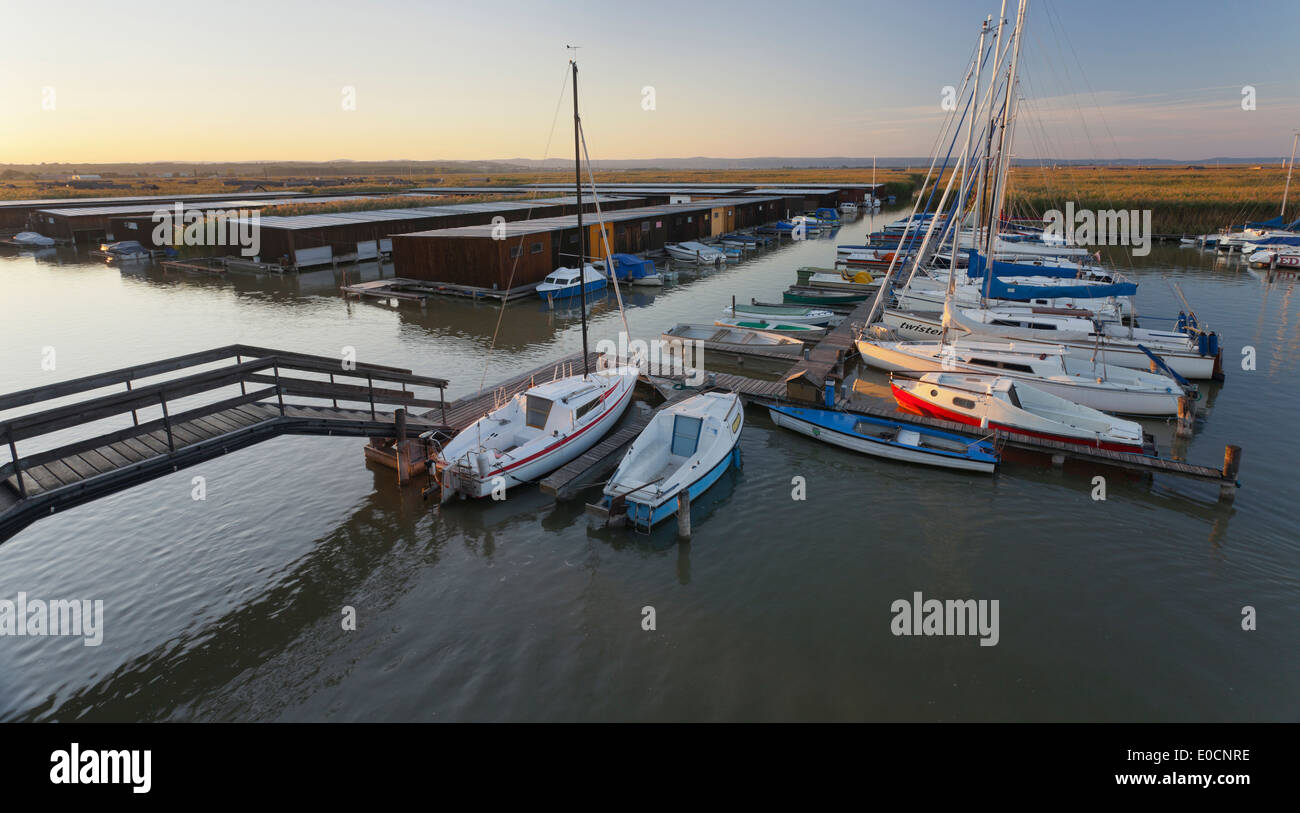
<point>684,514</point>
<point>1186,417</point>
<point>403,461</point>
<point>1231,464</point>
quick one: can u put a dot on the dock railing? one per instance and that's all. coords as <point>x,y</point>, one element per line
<point>263,369</point>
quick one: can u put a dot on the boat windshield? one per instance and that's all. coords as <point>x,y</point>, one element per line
<point>539,409</point>
<point>686,435</point>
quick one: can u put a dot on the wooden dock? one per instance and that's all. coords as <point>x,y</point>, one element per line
<point>37,484</point>
<point>416,290</point>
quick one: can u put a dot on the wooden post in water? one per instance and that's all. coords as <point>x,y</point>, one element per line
<point>1231,464</point>
<point>1186,417</point>
<point>399,446</point>
<point>684,514</point>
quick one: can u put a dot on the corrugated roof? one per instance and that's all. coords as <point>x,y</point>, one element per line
<point>137,199</point>
<point>201,206</point>
<point>550,224</point>
<point>328,219</point>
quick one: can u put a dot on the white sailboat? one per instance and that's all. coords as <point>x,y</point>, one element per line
<point>547,425</point>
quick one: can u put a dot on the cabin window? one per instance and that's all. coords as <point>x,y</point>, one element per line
<point>645,226</point>
<point>515,252</point>
<point>688,220</point>
<point>573,238</point>
<point>686,435</point>
<point>964,403</point>
<point>659,224</point>
<point>536,248</point>
<point>538,411</point>
<point>1003,365</point>
<point>587,407</point>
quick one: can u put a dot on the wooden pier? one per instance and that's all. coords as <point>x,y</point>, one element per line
<point>40,483</point>
<point>416,290</point>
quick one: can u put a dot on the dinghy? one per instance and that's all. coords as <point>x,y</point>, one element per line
<point>804,333</point>
<point>820,296</point>
<point>685,448</point>
<point>785,313</point>
<point>693,252</point>
<point>1016,406</point>
<point>734,340</point>
<point>894,440</point>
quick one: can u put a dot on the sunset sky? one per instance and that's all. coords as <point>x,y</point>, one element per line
<point>137,81</point>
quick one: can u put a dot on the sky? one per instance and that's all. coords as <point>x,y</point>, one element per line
<point>84,80</point>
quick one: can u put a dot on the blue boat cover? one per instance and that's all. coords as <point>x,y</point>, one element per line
<point>975,269</point>
<point>1267,224</point>
<point>997,289</point>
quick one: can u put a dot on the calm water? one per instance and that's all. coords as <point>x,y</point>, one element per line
<point>230,608</point>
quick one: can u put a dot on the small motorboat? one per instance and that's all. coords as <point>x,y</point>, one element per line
<point>894,440</point>
<point>632,270</point>
<point>563,282</point>
<point>804,333</point>
<point>785,313</point>
<point>1015,406</point>
<point>734,340</point>
<point>684,449</point>
<point>693,252</point>
<point>32,239</point>
<point>535,432</point>
<point>848,207</point>
<point>817,296</point>
<point>122,251</point>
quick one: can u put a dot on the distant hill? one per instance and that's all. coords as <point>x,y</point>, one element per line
<point>399,169</point>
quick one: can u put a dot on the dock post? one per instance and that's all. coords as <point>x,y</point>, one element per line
<point>684,514</point>
<point>1231,464</point>
<point>1186,417</point>
<point>399,447</point>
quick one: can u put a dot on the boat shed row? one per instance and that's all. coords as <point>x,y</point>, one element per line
<point>814,195</point>
<point>92,224</point>
<point>525,252</point>
<point>319,239</point>
<point>16,214</point>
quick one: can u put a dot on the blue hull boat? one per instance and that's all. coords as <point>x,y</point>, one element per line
<point>893,440</point>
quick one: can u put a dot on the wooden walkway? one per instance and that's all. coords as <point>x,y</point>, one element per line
<point>39,483</point>
<point>828,358</point>
<point>417,290</point>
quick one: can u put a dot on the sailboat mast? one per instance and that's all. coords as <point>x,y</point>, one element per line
<point>998,191</point>
<point>582,236</point>
<point>1289,167</point>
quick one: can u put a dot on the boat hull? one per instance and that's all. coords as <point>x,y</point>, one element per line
<point>793,419</point>
<point>1104,399</point>
<point>1188,365</point>
<point>460,478</point>
<point>933,410</point>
